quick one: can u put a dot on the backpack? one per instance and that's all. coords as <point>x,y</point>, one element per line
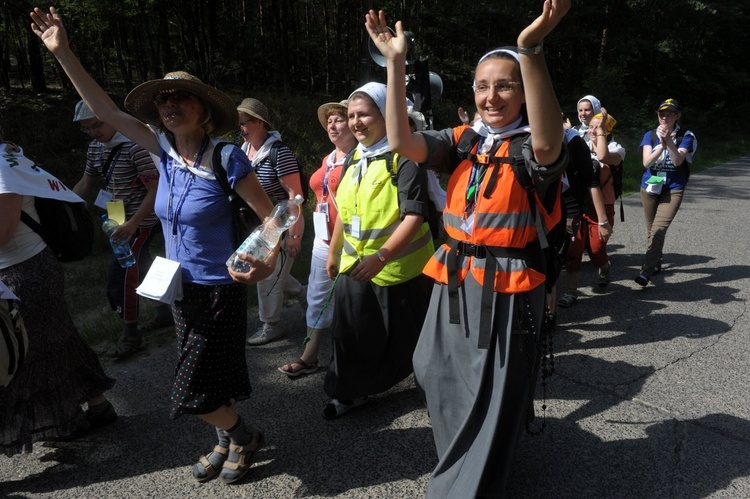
<point>244,219</point>
<point>13,340</point>
<point>466,143</point>
<point>65,226</point>
<point>434,216</point>
<point>304,181</point>
<point>616,178</point>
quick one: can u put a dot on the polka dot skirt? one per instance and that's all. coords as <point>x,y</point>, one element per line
<point>210,322</point>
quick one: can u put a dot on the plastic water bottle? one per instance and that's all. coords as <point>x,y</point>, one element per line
<point>121,248</point>
<point>265,237</point>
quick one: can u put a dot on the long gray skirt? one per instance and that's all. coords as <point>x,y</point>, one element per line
<point>477,399</point>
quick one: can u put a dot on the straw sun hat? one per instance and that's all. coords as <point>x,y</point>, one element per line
<point>140,100</point>
<point>329,108</point>
<point>256,109</point>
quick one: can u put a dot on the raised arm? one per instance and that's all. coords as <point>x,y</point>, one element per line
<point>541,103</point>
<point>400,138</point>
<point>49,28</point>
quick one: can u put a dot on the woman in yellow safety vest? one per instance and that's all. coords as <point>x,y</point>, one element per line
<point>379,246</point>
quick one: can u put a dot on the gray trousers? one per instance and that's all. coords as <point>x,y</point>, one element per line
<point>659,210</point>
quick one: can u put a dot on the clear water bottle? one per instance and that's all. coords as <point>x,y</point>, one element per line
<point>265,237</point>
<point>121,248</point>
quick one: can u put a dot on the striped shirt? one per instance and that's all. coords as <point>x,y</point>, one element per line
<point>268,176</point>
<point>129,171</point>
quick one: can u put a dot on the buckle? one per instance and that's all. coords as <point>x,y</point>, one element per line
<point>475,250</point>
<point>483,159</point>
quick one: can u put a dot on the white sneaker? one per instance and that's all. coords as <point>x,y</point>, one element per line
<point>265,334</point>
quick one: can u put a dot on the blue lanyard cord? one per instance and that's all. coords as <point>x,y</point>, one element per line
<point>325,306</point>
<point>112,165</point>
<point>173,214</point>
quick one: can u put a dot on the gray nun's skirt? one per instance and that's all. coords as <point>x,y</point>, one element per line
<point>477,399</point>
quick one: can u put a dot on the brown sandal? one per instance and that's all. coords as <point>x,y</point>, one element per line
<point>234,471</point>
<point>304,368</point>
<point>209,470</point>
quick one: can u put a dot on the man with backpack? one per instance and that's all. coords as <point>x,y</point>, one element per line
<point>122,171</point>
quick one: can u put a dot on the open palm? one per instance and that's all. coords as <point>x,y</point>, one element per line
<point>49,28</point>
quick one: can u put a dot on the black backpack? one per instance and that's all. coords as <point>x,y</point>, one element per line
<point>65,226</point>
<point>616,178</point>
<point>244,219</point>
<point>466,143</point>
<point>434,216</point>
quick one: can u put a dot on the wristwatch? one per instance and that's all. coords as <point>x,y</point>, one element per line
<point>380,257</point>
<point>536,49</point>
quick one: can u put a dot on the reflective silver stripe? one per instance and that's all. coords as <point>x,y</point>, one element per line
<point>493,220</point>
<point>415,245</point>
<point>503,264</point>
<point>372,234</point>
<point>441,255</point>
<point>452,220</point>
<point>349,249</point>
<point>504,220</point>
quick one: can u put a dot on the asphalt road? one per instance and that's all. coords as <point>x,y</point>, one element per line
<point>649,400</point>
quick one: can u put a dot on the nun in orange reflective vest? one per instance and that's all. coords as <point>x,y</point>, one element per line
<point>479,349</point>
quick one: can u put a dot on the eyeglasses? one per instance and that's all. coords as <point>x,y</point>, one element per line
<point>95,126</point>
<point>501,87</point>
<point>177,96</point>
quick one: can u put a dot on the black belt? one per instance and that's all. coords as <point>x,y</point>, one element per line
<point>532,254</point>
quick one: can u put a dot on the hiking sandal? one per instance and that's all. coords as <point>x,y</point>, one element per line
<point>204,470</point>
<point>234,470</point>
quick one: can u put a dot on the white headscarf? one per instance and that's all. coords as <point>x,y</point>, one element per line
<point>595,104</point>
<point>376,91</point>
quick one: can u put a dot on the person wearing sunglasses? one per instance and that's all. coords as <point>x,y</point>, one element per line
<point>177,119</point>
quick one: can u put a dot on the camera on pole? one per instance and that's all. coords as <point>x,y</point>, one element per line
<point>422,85</point>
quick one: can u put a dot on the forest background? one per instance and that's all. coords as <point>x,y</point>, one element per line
<point>297,54</point>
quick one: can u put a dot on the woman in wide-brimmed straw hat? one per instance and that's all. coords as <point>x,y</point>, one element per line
<point>324,183</point>
<point>280,175</point>
<point>174,118</point>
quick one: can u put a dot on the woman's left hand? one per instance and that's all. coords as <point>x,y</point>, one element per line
<point>369,267</point>
<point>259,269</point>
<point>552,12</point>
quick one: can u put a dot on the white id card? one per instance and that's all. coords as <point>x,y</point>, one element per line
<point>320,222</point>
<point>103,198</point>
<point>323,208</point>
<point>356,229</point>
<point>467,224</point>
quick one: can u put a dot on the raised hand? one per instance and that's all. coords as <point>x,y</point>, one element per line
<point>392,47</point>
<point>552,12</point>
<point>49,28</point>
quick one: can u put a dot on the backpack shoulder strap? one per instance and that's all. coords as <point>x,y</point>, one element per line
<point>220,171</point>
<point>32,224</point>
<point>467,141</point>
<point>274,154</point>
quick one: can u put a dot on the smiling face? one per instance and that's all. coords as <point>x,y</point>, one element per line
<point>337,126</point>
<point>585,112</point>
<point>365,120</point>
<point>593,124</point>
<point>180,110</point>
<point>498,92</point>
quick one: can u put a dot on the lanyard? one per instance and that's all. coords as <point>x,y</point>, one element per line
<point>174,211</point>
<point>330,165</point>
<point>111,162</point>
<point>475,179</point>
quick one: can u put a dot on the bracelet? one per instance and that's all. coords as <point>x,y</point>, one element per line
<point>536,49</point>
<point>380,257</point>
<point>602,224</point>
<point>601,134</point>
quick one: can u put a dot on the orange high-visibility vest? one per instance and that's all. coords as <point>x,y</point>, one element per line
<point>505,220</point>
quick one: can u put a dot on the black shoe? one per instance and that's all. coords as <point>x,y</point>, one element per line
<point>102,418</point>
<point>641,280</point>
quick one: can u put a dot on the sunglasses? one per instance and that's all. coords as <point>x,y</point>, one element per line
<point>176,96</point>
